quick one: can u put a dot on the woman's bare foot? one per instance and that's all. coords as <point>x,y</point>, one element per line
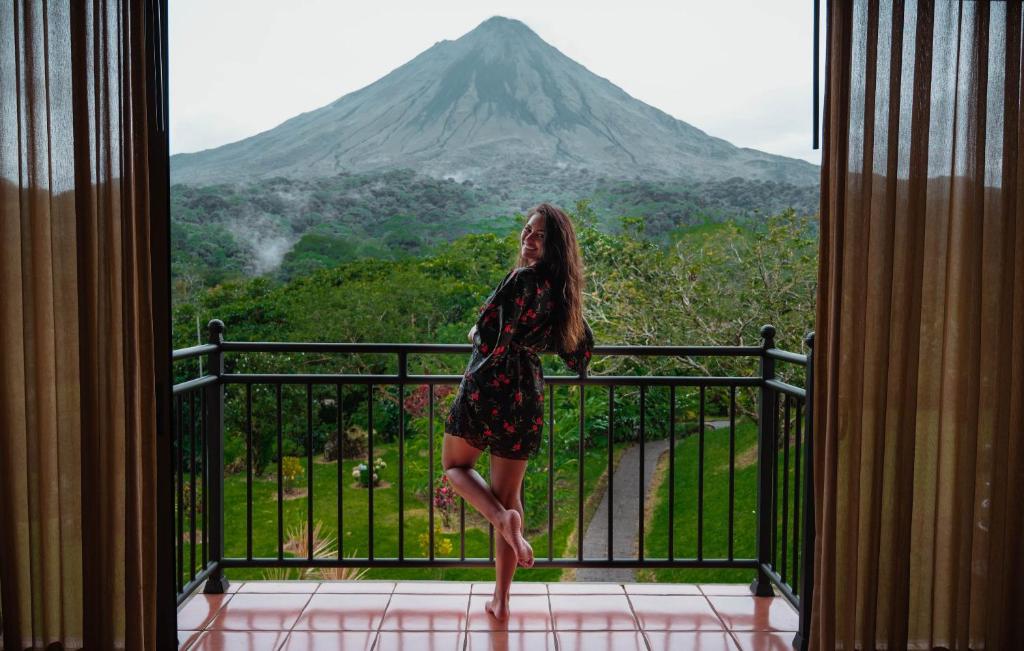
<point>510,526</point>
<point>498,608</point>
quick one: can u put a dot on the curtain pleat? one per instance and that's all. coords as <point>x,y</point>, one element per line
<point>920,333</point>
<point>77,417</point>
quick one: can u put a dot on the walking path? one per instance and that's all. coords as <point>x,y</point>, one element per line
<point>626,511</point>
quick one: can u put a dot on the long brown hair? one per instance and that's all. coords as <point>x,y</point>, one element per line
<point>562,264</point>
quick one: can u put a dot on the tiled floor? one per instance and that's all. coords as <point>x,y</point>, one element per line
<point>433,616</point>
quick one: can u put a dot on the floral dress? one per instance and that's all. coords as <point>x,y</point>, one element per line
<point>500,402</point>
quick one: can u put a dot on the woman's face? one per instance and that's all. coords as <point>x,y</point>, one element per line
<point>531,240</point>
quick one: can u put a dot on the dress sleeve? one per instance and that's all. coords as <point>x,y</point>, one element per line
<point>499,316</point>
<point>579,359</point>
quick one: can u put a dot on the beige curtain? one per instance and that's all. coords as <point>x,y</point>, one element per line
<point>77,388</point>
<point>919,395</point>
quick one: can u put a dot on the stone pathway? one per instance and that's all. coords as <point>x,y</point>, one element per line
<point>626,512</point>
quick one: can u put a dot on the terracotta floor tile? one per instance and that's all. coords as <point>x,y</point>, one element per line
<point>518,587</point>
<point>762,641</point>
<point>199,610</point>
<point>510,641</point>
<point>527,613</point>
<point>419,641</point>
<point>344,587</point>
<point>233,586</point>
<point>603,640</point>
<point>279,587</point>
<point>675,613</point>
<point>416,612</point>
<point>583,587</point>
<point>755,613</point>
<point>433,587</point>
<point>592,612</point>
<point>691,640</point>
<point>238,640</point>
<point>330,641</point>
<point>260,612</point>
<point>662,588</point>
<point>185,639</point>
<point>727,589</point>
<point>343,612</point>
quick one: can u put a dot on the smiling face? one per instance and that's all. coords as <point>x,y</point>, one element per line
<point>531,240</point>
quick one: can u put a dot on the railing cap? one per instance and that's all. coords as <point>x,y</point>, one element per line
<point>768,334</point>
<point>216,329</point>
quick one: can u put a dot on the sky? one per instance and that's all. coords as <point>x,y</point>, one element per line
<point>737,69</point>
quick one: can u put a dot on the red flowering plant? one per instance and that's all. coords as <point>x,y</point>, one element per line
<point>416,403</point>
<point>444,501</point>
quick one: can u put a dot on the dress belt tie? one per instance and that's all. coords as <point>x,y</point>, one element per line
<point>519,346</point>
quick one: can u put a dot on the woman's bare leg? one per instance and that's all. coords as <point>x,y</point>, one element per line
<point>458,457</point>
<point>506,479</point>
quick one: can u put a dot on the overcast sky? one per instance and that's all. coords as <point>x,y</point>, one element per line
<point>737,69</point>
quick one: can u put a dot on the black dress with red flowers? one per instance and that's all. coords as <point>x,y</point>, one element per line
<point>500,402</point>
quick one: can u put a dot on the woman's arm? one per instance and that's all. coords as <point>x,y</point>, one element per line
<point>579,359</point>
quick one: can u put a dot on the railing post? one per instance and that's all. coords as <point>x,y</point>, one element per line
<point>762,586</point>
<point>803,636</point>
<point>213,465</point>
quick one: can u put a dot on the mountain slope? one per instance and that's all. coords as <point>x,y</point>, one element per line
<point>467,108</point>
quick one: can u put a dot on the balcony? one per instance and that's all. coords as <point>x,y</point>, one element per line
<point>727,503</point>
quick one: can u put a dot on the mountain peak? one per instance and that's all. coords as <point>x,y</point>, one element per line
<point>503,24</point>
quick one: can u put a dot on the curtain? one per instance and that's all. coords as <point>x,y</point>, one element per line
<point>919,382</point>
<point>78,369</point>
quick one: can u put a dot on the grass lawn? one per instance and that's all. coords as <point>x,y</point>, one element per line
<point>716,507</point>
<point>355,538</point>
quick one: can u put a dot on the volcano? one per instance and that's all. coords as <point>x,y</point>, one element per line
<point>497,97</point>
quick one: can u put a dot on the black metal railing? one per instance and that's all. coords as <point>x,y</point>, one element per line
<point>784,509</point>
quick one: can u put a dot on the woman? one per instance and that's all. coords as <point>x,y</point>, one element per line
<point>537,307</point>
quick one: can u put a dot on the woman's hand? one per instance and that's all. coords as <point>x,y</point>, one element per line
<point>472,333</point>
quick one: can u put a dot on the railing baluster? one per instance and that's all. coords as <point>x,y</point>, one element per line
<point>732,469</point>
<point>430,469</point>
<point>611,475</point>
<point>762,586</point>
<point>216,583</point>
<point>462,529</point>
<point>797,478</point>
<point>579,489</point>
<point>402,375</point>
<point>192,483</point>
<point>309,471</point>
<point>785,487</point>
<point>340,458</point>
<point>643,481</point>
<point>204,470</point>
<point>551,472</point>
<point>775,482</point>
<point>280,472</point>
<point>248,472</point>
<point>180,544</point>
<point>700,479</point>
<point>671,471</point>
<point>369,461</point>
